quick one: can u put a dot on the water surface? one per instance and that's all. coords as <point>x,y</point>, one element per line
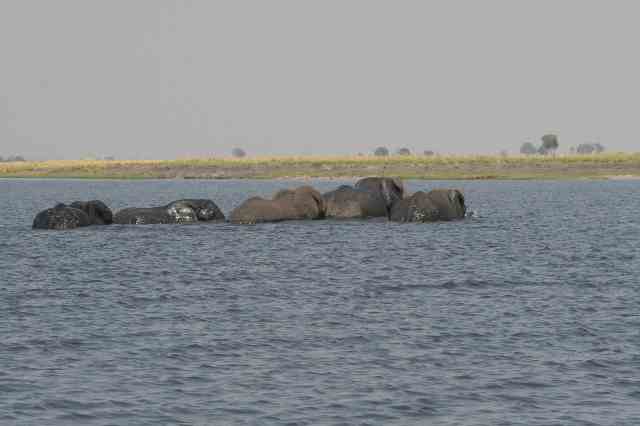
<point>526,314</point>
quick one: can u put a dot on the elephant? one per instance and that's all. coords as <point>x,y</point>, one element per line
<point>371,197</point>
<point>205,210</point>
<point>98,212</point>
<point>145,216</point>
<point>180,211</point>
<point>61,217</point>
<point>290,204</point>
<point>439,204</point>
<point>74,215</point>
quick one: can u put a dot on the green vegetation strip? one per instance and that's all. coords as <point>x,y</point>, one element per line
<point>416,167</point>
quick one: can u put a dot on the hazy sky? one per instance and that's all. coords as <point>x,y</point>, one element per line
<point>162,79</point>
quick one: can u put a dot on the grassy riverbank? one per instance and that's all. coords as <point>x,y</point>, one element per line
<point>600,166</point>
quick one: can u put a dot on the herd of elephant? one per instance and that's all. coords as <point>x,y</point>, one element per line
<point>368,198</point>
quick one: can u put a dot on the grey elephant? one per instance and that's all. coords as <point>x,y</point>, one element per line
<point>74,215</point>
<point>98,212</point>
<point>180,211</point>
<point>61,217</point>
<point>370,197</point>
<point>439,204</point>
<point>289,204</point>
<point>205,210</point>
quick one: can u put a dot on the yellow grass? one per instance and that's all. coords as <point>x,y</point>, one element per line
<point>446,166</point>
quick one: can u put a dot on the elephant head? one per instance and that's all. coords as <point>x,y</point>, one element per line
<point>61,217</point>
<point>203,210</point>
<point>98,212</point>
<point>306,201</point>
<point>180,211</point>
<point>439,204</point>
<point>390,189</point>
<point>416,208</point>
<point>371,197</point>
<point>450,203</point>
<point>76,214</point>
<point>347,202</point>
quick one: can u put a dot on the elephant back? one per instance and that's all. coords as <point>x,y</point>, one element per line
<point>289,204</point>
<point>343,202</point>
<point>143,216</point>
<point>257,210</point>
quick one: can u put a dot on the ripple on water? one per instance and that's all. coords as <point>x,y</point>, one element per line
<point>524,314</point>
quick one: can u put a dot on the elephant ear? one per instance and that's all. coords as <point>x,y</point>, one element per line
<point>457,199</point>
<point>399,186</point>
<point>320,202</point>
<point>305,191</point>
<point>103,211</point>
<point>455,196</point>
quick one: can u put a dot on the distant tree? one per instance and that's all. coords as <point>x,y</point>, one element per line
<point>1,159</point>
<point>381,152</point>
<point>590,148</point>
<point>585,148</point>
<point>429,153</point>
<point>528,148</point>
<point>238,152</point>
<point>549,144</point>
<point>109,158</point>
<point>15,158</point>
<point>504,153</point>
<point>403,151</point>
<point>572,150</point>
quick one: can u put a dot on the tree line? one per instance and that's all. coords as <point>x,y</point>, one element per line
<point>550,145</point>
<point>587,148</point>
<point>381,151</point>
<point>11,158</point>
